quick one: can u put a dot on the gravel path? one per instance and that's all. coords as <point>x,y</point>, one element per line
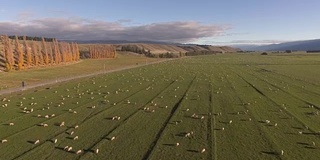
<point>59,80</point>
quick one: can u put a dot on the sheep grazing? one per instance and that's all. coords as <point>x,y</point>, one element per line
<point>177,144</point>
<point>187,109</point>
<point>55,141</point>
<point>313,143</point>
<point>276,124</point>
<point>44,124</point>
<point>230,121</point>
<point>113,138</point>
<point>202,117</point>
<point>47,116</point>
<point>61,124</point>
<point>11,124</point>
<point>71,133</point>
<point>222,128</point>
<point>249,119</point>
<point>203,150</point>
<point>300,132</point>
<point>267,121</point>
<point>66,147</point>
<point>282,152</point>
<point>75,112</point>
<point>97,151</point>
<point>53,115</point>
<point>75,138</point>
<point>79,151</point>
<point>187,135</point>
<point>4,141</point>
<point>75,127</point>
<point>37,141</point>
<point>69,149</point>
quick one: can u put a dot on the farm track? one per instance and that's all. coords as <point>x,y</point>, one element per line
<point>124,121</point>
<point>51,82</point>
<point>162,129</point>
<point>211,134</point>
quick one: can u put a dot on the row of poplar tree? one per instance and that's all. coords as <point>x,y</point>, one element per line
<point>35,53</point>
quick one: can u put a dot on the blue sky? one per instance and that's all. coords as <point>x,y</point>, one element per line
<point>216,22</point>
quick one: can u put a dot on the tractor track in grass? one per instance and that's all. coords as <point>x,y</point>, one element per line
<point>211,134</point>
<point>124,121</point>
<point>289,93</point>
<point>162,129</point>
<point>85,119</point>
<point>281,74</point>
<point>86,104</point>
<point>49,139</point>
<point>39,106</point>
<point>254,118</point>
<point>295,85</point>
<point>279,106</point>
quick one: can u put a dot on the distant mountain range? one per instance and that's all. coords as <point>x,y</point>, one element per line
<point>307,45</point>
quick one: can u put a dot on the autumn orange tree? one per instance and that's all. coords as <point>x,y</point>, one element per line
<point>44,52</point>
<point>27,52</point>
<point>35,54</point>
<point>20,60</point>
<point>9,57</point>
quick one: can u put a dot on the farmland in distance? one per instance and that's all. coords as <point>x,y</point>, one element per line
<point>206,107</point>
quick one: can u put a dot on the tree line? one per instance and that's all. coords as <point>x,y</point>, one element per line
<point>101,51</point>
<point>18,56</point>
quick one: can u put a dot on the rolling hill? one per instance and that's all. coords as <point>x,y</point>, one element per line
<point>308,45</point>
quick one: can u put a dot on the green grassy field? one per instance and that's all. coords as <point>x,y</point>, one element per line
<point>88,66</point>
<point>208,107</point>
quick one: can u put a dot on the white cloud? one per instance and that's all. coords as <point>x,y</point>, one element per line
<point>76,28</point>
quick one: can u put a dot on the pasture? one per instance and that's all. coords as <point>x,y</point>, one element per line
<point>208,107</point>
<point>40,74</point>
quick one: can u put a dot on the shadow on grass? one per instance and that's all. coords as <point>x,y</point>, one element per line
<point>169,144</point>
<point>270,153</point>
<point>192,150</point>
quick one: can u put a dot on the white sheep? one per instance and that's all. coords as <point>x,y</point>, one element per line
<point>230,121</point>
<point>75,138</point>
<point>97,151</point>
<point>79,151</point>
<point>282,152</point>
<point>37,141</point>
<point>4,141</point>
<point>55,141</point>
<point>203,150</point>
<point>177,144</point>
<point>75,127</point>
<point>71,133</point>
<point>187,135</point>
<point>69,149</point>
<point>66,147</point>
<point>113,138</point>
<point>61,124</point>
<point>11,124</point>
